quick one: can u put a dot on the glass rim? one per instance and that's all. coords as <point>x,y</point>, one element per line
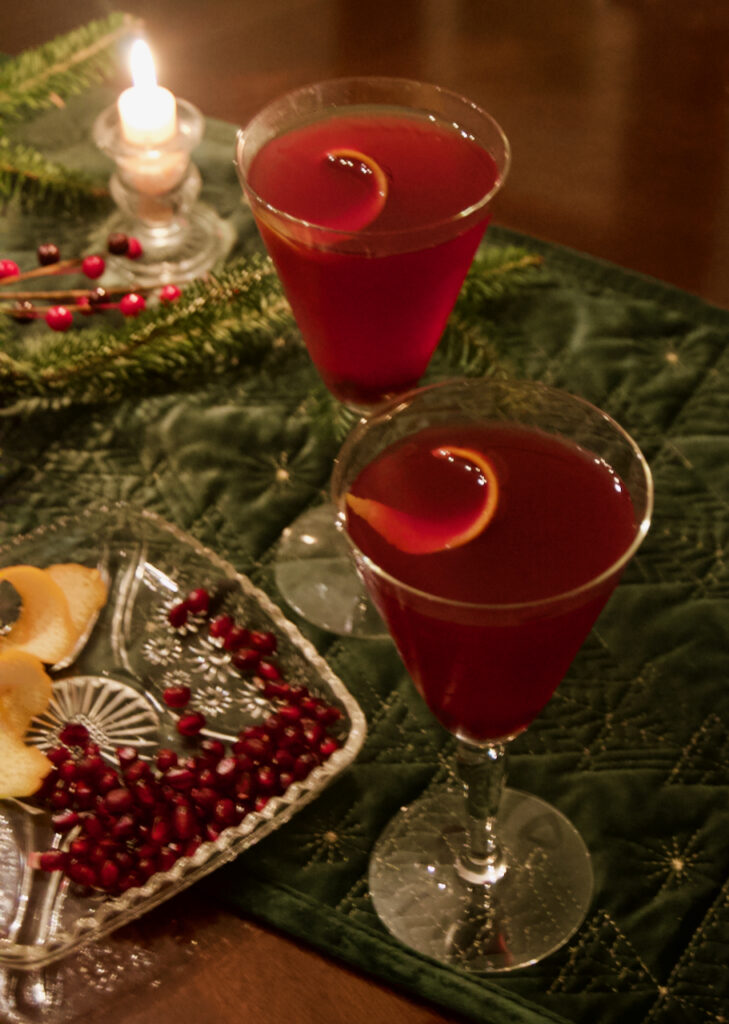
<point>388,410</point>
<point>315,228</point>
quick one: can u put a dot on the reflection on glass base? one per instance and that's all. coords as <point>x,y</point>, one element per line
<point>530,912</point>
<point>317,577</point>
<point>176,255</point>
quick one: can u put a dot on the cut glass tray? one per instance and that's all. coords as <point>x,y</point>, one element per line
<point>114,686</point>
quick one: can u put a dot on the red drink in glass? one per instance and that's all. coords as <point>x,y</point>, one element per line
<point>372,210</point>
<point>489,655</point>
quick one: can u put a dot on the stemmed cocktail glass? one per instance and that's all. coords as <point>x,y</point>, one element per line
<point>491,522</point>
<point>371,196</point>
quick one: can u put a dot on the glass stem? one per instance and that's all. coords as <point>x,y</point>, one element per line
<point>482,772</point>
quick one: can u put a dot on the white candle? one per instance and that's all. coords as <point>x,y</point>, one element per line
<point>147,111</point>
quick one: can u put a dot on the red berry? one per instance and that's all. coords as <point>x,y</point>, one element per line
<point>117,243</point>
<point>9,268</point>
<point>59,318</point>
<point>170,293</point>
<point>190,725</point>
<point>48,253</point>
<point>134,248</point>
<point>93,266</point>
<point>132,304</point>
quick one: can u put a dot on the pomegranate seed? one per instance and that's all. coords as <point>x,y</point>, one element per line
<point>126,755</point>
<point>177,615</point>
<point>119,801</point>
<point>147,866</point>
<point>184,822</point>
<point>289,713</point>
<point>84,794</point>
<point>266,778</point>
<point>313,732</point>
<point>260,802</point>
<point>108,874</point>
<point>264,642</point>
<point>176,696</point>
<point>236,638</point>
<point>283,759</point>
<point>206,777</point>
<point>276,691</point>
<point>204,796</point>
<point>246,660</point>
<point>327,714</point>
<point>290,738</point>
<point>57,755</point>
<point>245,786</point>
<point>191,847</point>
<point>79,847</point>
<point>327,746</point>
<point>60,799</point>
<point>144,795</point>
<point>190,725</point>
<point>165,759</point>
<point>304,765</point>
<point>224,812</point>
<point>213,748</point>
<point>53,860</point>
<point>267,670</point>
<point>220,627</point>
<point>298,694</point>
<point>68,771</point>
<point>285,779</point>
<point>166,858</point>
<point>212,832</point>
<point>90,765</point>
<point>74,734</point>
<point>124,826</point>
<point>226,770</point>
<point>137,771</point>
<point>180,778</point>
<point>198,601</point>
<point>65,821</point>
<point>257,748</point>
<point>82,874</point>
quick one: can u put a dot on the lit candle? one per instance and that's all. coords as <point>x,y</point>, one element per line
<point>147,111</point>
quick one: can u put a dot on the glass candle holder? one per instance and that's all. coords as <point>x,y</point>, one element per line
<point>156,190</point>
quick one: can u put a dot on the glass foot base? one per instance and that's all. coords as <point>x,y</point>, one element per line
<point>317,577</point>
<point>169,256</point>
<point>538,903</point>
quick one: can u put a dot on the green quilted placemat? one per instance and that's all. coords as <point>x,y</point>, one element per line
<point>633,747</point>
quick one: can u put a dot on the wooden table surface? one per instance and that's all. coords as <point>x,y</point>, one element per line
<point>618,115</point>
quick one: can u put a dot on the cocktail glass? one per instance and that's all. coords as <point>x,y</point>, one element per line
<point>478,875</point>
<point>371,300</point>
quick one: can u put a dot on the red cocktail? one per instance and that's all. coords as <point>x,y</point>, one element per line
<point>371,196</point>
<point>491,522</point>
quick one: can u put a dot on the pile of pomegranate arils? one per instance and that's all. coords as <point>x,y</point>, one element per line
<point>120,824</point>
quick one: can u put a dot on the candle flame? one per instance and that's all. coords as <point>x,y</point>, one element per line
<point>142,64</point>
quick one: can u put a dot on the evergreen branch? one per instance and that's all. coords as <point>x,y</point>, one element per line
<point>231,319</point>
<point>43,77</point>
<point>26,175</point>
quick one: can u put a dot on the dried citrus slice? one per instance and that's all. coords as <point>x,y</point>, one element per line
<point>357,205</point>
<point>421,535</point>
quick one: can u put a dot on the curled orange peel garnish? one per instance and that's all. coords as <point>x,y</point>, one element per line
<point>418,535</point>
<point>353,161</point>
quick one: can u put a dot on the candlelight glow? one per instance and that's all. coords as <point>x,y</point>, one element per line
<point>142,65</point>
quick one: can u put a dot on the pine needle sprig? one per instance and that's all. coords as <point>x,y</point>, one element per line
<point>49,74</point>
<point>228,320</point>
<point>497,273</point>
<point>34,181</point>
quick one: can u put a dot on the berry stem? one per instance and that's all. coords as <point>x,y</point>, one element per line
<point>51,269</point>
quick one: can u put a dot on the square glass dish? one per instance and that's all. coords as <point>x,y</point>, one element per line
<point>113,685</point>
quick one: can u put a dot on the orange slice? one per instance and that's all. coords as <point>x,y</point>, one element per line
<point>364,201</point>
<point>44,627</point>
<point>419,535</point>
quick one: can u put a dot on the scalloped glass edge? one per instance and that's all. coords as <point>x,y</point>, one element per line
<point>116,912</point>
